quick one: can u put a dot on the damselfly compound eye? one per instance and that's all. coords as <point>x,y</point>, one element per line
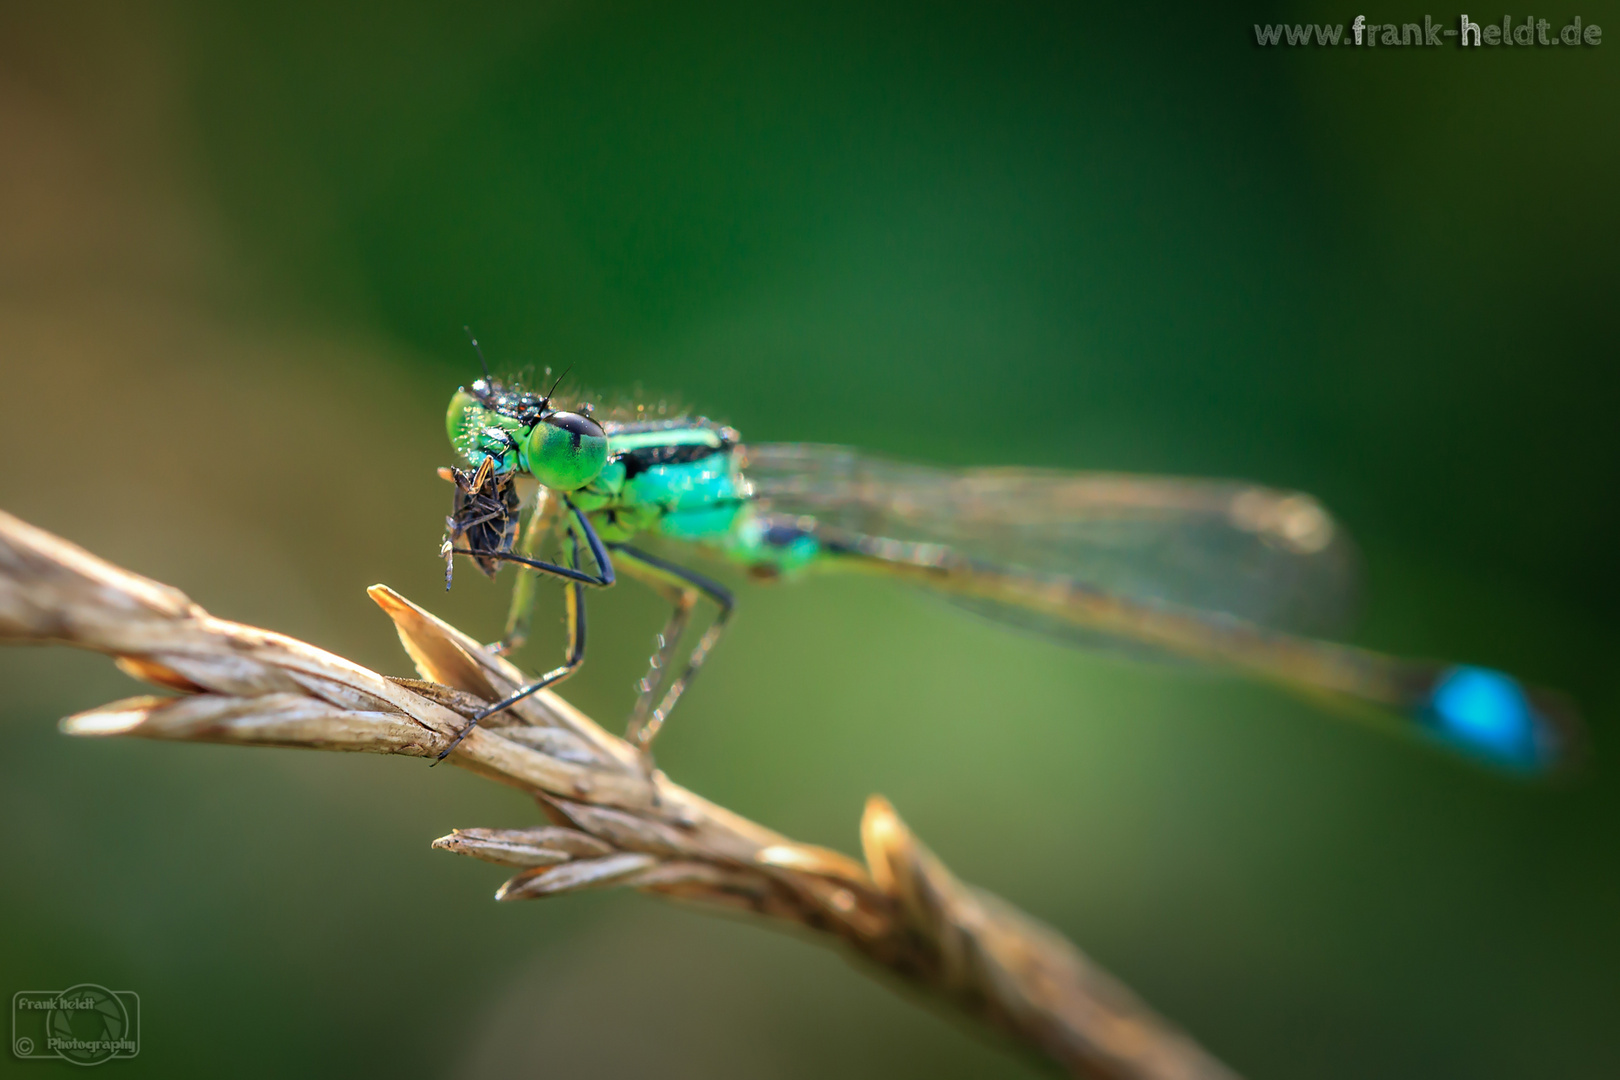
<point>566,451</point>
<point>465,416</point>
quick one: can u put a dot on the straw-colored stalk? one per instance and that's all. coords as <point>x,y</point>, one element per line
<point>610,824</point>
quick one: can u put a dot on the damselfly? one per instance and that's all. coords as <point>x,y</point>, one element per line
<point>1218,573</point>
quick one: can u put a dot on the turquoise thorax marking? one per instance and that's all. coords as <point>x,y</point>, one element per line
<point>629,439</point>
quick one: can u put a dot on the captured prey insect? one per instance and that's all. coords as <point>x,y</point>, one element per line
<point>1218,573</point>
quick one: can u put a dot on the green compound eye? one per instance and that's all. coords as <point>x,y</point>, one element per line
<point>475,431</point>
<point>466,415</point>
<point>566,451</point>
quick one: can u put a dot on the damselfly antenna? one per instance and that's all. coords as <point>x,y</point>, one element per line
<point>481,361</point>
<point>557,380</point>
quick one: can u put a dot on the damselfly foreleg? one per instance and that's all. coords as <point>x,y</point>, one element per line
<point>574,611</point>
<point>602,578</point>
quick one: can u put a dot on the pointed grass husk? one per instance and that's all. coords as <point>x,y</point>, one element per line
<point>546,845</point>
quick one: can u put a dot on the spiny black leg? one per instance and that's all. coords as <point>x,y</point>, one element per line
<point>686,586</point>
<point>604,566</point>
<point>574,601</point>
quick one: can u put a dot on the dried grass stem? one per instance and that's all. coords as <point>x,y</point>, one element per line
<point>610,824</point>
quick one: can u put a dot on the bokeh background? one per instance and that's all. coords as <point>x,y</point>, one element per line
<point>237,248</point>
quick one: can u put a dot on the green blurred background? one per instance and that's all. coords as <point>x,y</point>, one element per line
<point>237,248</point>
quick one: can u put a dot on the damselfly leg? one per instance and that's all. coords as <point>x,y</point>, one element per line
<point>602,578</point>
<point>574,601</point>
<point>682,587</point>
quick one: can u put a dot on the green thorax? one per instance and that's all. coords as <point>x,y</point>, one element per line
<point>679,477</point>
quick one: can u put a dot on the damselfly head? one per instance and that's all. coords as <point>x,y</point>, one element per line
<point>523,431</point>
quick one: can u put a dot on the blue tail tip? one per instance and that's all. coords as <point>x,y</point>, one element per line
<point>1492,713</point>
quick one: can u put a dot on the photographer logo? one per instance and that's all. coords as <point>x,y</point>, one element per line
<point>85,1024</point>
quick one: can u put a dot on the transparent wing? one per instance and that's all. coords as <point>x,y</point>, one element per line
<point>1219,573</point>
<point>1272,558</point>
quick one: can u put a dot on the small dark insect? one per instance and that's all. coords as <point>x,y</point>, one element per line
<point>485,515</point>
